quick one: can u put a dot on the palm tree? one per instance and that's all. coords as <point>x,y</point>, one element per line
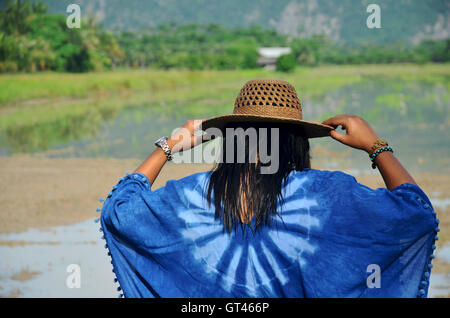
<point>16,13</point>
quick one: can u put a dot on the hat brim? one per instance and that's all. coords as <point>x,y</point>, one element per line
<point>308,129</point>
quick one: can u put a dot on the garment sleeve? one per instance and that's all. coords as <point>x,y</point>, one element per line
<point>140,229</point>
<point>403,214</point>
<point>366,228</point>
<point>139,216</point>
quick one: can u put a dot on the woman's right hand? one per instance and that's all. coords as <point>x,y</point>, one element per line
<point>358,135</point>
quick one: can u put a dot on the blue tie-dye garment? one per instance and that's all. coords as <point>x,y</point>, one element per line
<point>166,243</point>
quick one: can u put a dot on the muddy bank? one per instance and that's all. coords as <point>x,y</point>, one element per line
<point>39,192</point>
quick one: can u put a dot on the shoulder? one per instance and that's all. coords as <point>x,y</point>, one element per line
<point>188,192</point>
<point>326,177</point>
<point>314,181</point>
<point>188,182</point>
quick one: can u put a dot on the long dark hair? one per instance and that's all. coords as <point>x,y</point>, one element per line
<point>241,191</point>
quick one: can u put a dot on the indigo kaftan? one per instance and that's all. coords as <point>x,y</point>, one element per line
<point>332,236</point>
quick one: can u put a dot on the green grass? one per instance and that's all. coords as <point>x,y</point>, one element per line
<point>23,87</point>
<point>40,109</point>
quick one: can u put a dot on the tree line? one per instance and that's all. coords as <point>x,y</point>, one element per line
<point>31,39</point>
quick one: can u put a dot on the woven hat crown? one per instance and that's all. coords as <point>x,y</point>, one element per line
<point>268,97</point>
<point>270,101</point>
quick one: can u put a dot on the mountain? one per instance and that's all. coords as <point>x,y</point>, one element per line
<point>344,21</point>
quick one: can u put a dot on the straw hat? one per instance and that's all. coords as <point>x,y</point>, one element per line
<point>269,100</point>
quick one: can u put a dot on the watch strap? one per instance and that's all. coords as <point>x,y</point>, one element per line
<point>162,143</point>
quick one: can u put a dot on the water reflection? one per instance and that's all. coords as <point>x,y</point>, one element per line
<point>47,255</point>
<point>412,115</point>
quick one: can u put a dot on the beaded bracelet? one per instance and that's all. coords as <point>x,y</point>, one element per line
<point>378,144</point>
<point>377,152</point>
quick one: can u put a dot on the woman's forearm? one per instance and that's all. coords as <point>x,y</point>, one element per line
<point>392,171</point>
<point>360,135</point>
<point>152,166</point>
<point>182,139</point>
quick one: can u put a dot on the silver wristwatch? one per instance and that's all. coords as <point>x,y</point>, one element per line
<point>162,143</point>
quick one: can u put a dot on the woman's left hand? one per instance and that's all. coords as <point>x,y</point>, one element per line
<point>186,137</point>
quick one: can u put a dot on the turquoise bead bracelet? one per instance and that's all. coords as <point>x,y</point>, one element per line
<point>377,152</point>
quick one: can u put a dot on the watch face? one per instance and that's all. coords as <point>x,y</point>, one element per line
<point>158,142</point>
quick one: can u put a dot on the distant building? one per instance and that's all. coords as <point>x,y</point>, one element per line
<point>268,56</point>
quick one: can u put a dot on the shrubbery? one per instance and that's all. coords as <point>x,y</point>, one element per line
<point>33,40</point>
<point>286,63</point>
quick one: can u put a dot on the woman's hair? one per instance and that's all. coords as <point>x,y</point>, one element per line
<point>240,190</point>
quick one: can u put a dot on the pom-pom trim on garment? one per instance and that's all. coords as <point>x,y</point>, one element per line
<point>134,176</point>
<point>428,266</point>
